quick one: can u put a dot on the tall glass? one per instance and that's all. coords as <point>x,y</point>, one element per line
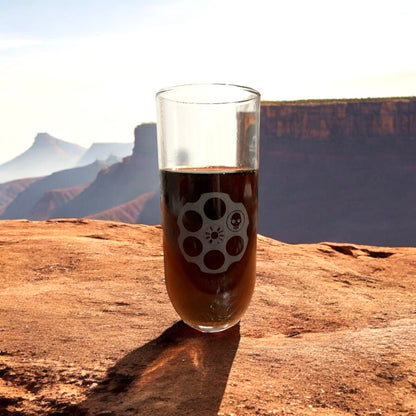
<point>208,150</point>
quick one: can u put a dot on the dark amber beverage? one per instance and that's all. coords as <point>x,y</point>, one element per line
<point>208,156</point>
<point>209,218</point>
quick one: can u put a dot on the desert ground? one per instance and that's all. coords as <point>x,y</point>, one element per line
<point>86,328</point>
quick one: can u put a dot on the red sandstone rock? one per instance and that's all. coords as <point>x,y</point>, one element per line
<point>86,328</point>
<point>329,119</point>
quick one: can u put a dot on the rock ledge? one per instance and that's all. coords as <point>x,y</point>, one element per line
<point>86,328</point>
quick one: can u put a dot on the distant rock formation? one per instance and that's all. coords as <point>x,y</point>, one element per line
<point>102,151</point>
<point>10,190</point>
<point>27,202</point>
<point>46,155</point>
<point>122,182</point>
<point>130,212</point>
<point>339,119</point>
<point>53,199</point>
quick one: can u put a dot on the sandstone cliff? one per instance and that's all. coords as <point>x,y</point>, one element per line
<point>86,328</point>
<point>337,119</point>
<point>341,170</point>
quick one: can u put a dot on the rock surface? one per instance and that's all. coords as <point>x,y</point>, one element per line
<point>337,119</point>
<point>86,328</point>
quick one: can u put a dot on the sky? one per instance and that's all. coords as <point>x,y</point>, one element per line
<point>87,71</point>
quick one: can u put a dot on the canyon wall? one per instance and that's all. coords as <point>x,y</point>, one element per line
<point>339,170</point>
<point>329,119</point>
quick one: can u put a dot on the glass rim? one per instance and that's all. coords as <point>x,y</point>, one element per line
<point>162,94</point>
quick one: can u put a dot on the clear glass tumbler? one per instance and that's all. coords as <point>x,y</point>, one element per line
<point>208,151</point>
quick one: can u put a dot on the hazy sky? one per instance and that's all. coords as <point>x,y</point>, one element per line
<point>87,70</point>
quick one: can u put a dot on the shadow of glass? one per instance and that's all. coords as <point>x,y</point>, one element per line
<point>181,372</point>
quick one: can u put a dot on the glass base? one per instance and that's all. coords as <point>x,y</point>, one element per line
<point>212,328</point>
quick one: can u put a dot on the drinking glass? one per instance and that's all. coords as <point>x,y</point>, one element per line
<point>208,154</point>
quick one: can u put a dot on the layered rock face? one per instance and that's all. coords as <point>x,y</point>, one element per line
<point>339,171</point>
<point>315,119</point>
